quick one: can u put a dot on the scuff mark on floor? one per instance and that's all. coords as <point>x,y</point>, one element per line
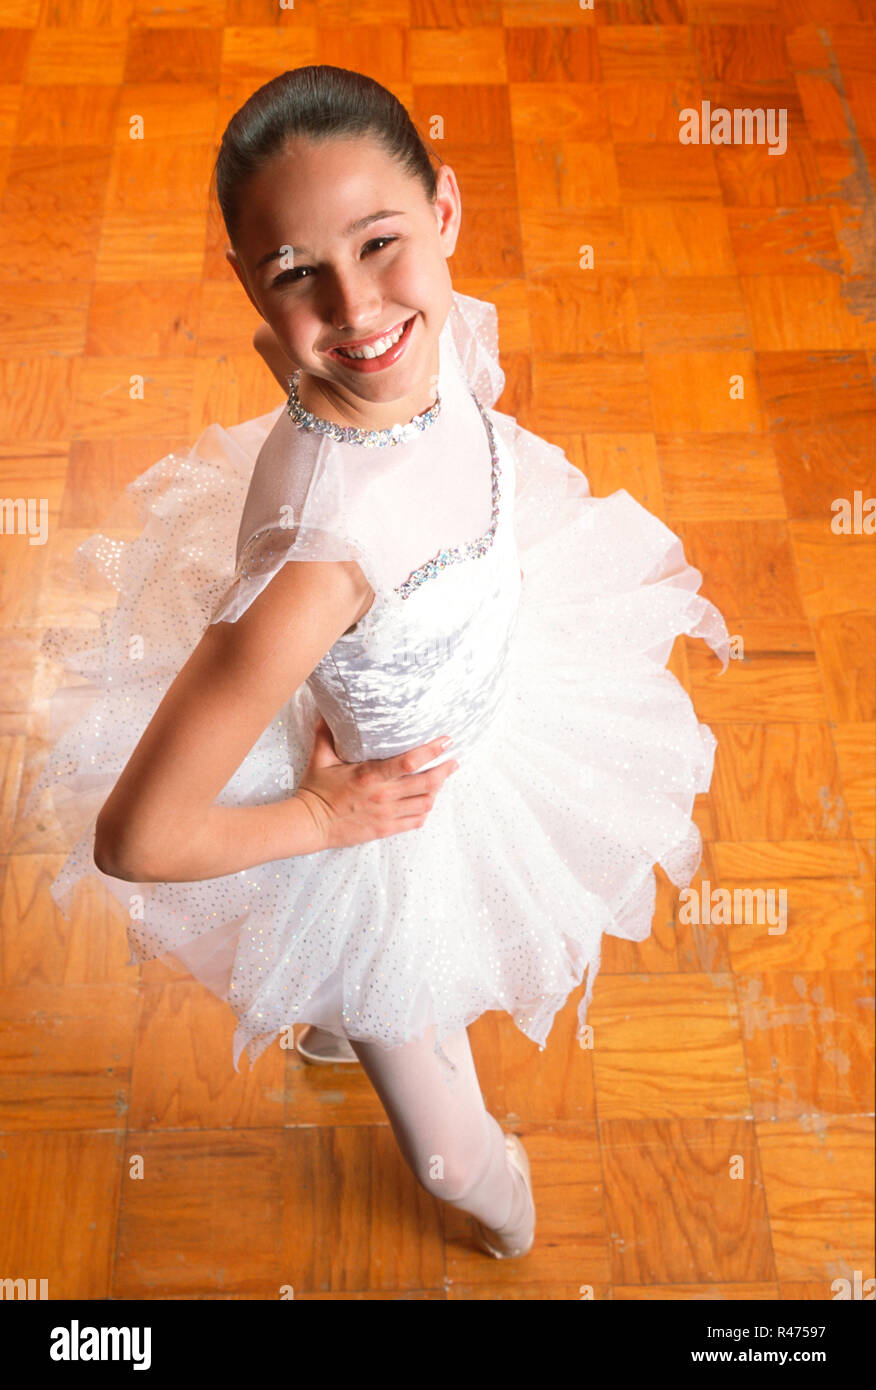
<point>857,233</point>
<point>833,810</point>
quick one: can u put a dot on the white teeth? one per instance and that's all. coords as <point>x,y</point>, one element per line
<point>374,349</point>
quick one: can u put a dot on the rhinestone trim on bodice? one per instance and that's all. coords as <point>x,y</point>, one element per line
<point>471,550</point>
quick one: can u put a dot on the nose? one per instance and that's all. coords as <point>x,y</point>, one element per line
<point>352,300</point>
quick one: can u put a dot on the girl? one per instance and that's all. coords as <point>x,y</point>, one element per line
<point>301,837</point>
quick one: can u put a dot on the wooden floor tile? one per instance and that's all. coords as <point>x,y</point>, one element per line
<point>572,1245</point>
<point>817,1175</point>
<point>53,317</point>
<point>165,246</point>
<point>823,462</point>
<point>806,389</point>
<point>628,461</point>
<point>57,1070</point>
<point>577,110</point>
<point>64,115</point>
<point>353,1217</point>
<point>836,571</point>
<point>174,1232</point>
<point>521,1082</point>
<point>180,167</point>
<point>255,54</point>
<point>90,948</point>
<point>631,52</point>
<point>748,177</point>
<point>121,314</point>
<point>691,311</point>
<point>73,55</point>
<point>436,55</point>
<point>846,644</point>
<point>661,1176</point>
<point>797,764</point>
<point>692,323</point>
<point>806,1038</point>
<point>691,391</point>
<point>829,925</point>
<point>180,1078</point>
<point>157,54</point>
<point>783,241</point>
<point>324,1095</point>
<point>79,1176</point>
<point>856,751</point>
<point>646,1027</point>
<point>679,237</point>
<point>720,477</point>
<point>574,312</point>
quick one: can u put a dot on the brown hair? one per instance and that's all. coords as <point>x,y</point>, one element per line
<point>319,102</point>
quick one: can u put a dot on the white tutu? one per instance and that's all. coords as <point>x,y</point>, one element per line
<point>580,754</point>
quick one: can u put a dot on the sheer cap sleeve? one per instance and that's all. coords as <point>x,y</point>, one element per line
<point>474,333</point>
<point>296,509</point>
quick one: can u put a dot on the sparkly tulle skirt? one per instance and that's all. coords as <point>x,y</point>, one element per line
<point>545,839</point>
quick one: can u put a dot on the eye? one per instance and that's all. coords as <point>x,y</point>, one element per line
<point>295,274</point>
<point>289,276</point>
<point>376,241</point>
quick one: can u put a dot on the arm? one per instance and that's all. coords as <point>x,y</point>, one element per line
<point>160,823</point>
<point>265,342</point>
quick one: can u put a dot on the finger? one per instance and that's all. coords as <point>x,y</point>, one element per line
<point>404,763</point>
<point>323,751</point>
<point>413,806</point>
<point>421,783</point>
<point>406,823</point>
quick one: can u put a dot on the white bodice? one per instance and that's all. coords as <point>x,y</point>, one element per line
<point>433,662</point>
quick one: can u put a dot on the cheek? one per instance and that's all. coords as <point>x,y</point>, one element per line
<point>413,276</point>
<point>296,327</point>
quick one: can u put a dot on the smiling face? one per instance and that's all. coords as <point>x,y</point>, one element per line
<point>345,284</point>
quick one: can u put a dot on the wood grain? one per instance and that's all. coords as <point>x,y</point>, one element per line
<point>716,1141</point>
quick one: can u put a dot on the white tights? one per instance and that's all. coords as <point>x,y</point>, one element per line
<point>449,1140</point>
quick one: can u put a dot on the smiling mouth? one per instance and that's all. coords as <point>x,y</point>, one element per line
<point>375,347</point>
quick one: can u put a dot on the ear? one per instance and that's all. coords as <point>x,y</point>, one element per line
<point>448,208</point>
<point>231,258</point>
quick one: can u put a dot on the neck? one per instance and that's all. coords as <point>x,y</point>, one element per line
<point>325,400</point>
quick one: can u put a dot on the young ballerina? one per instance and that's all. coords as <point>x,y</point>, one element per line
<point>301,839</point>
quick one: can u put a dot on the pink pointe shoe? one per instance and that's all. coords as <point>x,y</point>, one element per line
<point>320,1048</point>
<point>505,1244</point>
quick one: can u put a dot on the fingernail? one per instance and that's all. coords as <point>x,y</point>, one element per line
<point>446,742</point>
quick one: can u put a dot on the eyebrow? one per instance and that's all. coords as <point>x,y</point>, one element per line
<point>359,225</point>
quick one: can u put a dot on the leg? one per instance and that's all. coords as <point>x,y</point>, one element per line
<point>453,1146</point>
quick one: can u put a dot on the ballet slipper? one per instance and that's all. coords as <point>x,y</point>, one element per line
<point>320,1048</point>
<point>504,1244</point>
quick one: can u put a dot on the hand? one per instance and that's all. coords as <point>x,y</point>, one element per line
<point>354,802</point>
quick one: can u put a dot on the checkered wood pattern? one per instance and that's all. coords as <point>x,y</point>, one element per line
<point>712,264</point>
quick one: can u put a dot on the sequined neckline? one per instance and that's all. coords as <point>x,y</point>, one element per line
<point>348,434</point>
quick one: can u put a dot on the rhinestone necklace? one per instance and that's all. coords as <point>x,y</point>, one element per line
<point>348,434</point>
